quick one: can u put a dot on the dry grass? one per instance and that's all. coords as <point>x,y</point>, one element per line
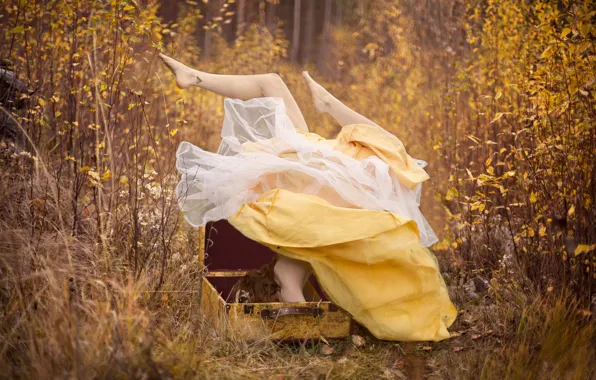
<point>65,313</point>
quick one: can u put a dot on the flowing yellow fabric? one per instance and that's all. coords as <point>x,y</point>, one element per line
<point>360,141</point>
<point>370,263</point>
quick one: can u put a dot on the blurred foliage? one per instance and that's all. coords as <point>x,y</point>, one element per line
<point>522,145</point>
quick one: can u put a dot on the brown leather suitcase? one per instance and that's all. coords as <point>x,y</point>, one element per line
<point>227,255</point>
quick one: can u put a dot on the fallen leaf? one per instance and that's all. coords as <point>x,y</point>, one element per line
<point>358,341</point>
<point>476,336</point>
<point>327,350</point>
<point>458,348</point>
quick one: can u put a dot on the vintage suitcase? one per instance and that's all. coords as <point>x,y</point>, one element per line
<point>227,255</point>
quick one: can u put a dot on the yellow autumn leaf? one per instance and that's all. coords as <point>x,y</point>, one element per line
<point>451,194</point>
<point>498,115</point>
<point>173,132</point>
<point>106,175</point>
<point>41,102</point>
<point>533,198</point>
<point>542,231</point>
<point>581,248</point>
<point>571,211</point>
<point>93,174</point>
<point>547,53</point>
<point>565,32</point>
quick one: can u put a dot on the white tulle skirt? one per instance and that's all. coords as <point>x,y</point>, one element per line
<point>215,185</point>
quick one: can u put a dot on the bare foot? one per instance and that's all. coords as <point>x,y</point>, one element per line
<point>185,76</point>
<point>321,98</point>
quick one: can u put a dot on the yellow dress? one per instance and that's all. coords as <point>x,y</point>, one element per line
<point>368,259</point>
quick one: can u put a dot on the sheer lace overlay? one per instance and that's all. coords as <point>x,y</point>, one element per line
<point>261,150</point>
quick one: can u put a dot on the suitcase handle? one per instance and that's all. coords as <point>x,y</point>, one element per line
<point>292,310</point>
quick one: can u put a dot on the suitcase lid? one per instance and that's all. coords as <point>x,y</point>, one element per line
<point>224,248</point>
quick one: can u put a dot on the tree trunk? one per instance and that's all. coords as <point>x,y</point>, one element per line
<point>310,31</point>
<point>360,10</point>
<point>296,32</point>
<point>271,8</point>
<point>338,11</point>
<point>262,6</point>
<point>240,20</point>
<point>207,41</point>
<point>323,58</point>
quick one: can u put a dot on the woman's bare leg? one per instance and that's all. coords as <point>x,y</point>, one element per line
<point>243,87</point>
<point>326,103</point>
<point>291,276</point>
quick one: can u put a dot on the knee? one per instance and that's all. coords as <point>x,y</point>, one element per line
<point>273,79</point>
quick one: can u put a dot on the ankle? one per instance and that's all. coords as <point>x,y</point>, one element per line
<point>185,76</point>
<point>291,294</point>
<point>322,99</point>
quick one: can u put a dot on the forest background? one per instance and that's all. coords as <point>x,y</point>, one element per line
<point>99,272</point>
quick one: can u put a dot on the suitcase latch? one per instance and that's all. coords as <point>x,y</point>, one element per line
<point>313,311</point>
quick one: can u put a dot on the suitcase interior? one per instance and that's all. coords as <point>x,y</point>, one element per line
<point>228,255</point>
